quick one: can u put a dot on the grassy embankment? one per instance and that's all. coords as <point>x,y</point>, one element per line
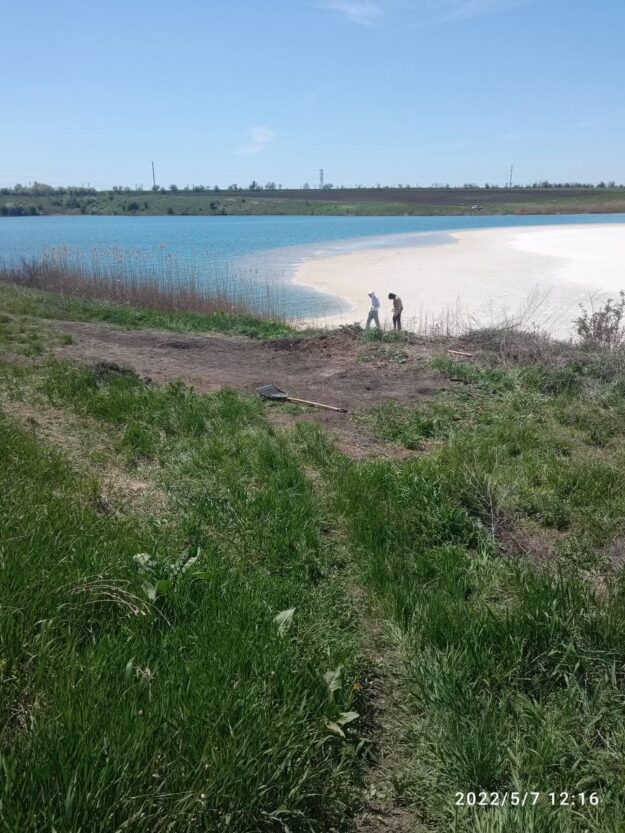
<point>63,290</point>
<point>350,201</point>
<point>159,692</point>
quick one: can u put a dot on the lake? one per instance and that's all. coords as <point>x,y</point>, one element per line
<point>242,252</point>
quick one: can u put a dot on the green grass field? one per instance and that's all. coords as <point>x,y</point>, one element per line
<point>349,201</point>
<point>197,654</point>
<point>147,684</point>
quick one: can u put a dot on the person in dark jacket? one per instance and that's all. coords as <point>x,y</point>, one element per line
<point>397,310</point>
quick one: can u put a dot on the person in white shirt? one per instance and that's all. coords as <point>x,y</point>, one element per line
<point>373,311</point>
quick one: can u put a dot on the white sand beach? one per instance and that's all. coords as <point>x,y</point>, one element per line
<point>534,275</point>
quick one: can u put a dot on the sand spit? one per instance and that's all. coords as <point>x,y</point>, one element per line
<point>535,275</point>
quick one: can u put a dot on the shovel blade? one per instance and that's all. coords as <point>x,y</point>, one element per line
<point>271,392</point>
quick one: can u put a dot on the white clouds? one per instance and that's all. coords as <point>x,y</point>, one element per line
<point>260,137</point>
<point>451,10</point>
<point>363,12</point>
<point>370,12</point>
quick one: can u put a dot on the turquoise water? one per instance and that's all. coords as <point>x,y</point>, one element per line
<point>243,251</point>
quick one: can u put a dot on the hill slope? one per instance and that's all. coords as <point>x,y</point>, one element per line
<point>222,613</point>
<point>354,201</point>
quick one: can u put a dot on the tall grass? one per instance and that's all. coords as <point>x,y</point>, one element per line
<point>513,676</point>
<point>22,300</point>
<point>514,657</point>
<point>165,285</point>
<point>196,670</point>
<point>533,315</point>
<point>146,682</point>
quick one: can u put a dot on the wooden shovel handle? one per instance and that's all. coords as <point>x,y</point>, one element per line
<point>316,404</point>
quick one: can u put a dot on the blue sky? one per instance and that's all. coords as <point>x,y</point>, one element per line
<point>373,91</point>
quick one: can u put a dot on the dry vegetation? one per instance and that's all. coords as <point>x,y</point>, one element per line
<point>61,274</point>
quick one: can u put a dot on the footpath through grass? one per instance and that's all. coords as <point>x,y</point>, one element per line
<point>199,667</point>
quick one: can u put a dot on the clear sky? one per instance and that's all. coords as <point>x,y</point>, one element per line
<point>373,91</point>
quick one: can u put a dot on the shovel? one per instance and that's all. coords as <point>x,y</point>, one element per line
<point>272,392</point>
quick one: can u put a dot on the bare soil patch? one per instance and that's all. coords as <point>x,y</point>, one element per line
<point>326,368</point>
<point>323,366</point>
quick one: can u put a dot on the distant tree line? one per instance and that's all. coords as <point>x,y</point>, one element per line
<point>546,184</point>
<point>10,210</point>
<point>328,186</point>
<point>72,192</point>
<point>40,189</point>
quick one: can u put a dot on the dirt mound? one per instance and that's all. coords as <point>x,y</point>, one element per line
<point>345,336</point>
<point>180,345</point>
<point>290,344</point>
<point>106,370</point>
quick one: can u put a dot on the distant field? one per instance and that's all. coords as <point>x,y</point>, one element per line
<point>356,201</point>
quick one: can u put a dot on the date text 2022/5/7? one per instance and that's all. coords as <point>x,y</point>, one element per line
<point>526,799</point>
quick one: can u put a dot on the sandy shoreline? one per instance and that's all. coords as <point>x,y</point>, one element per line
<point>538,274</point>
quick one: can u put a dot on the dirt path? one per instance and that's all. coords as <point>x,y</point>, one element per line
<point>381,812</point>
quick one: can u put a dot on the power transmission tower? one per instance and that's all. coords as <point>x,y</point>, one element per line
<point>153,176</point>
<point>321,179</point>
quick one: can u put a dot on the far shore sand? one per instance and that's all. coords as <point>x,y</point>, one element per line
<point>533,275</point>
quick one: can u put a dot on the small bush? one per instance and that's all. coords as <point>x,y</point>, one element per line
<point>603,327</point>
<point>550,380</point>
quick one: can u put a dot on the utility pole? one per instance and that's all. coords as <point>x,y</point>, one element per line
<point>511,169</point>
<point>321,179</point>
<point>153,176</point>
